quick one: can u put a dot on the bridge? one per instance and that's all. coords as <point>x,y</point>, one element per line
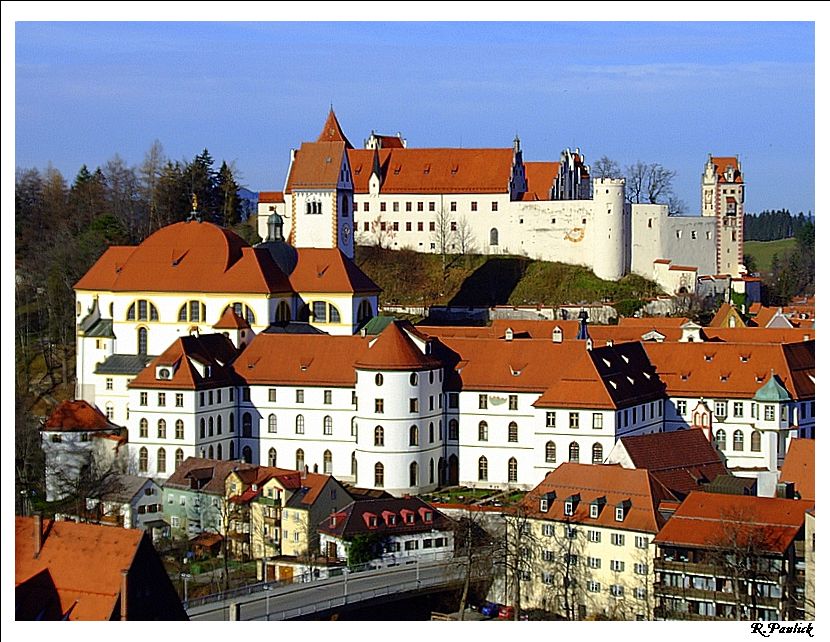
<point>277,601</point>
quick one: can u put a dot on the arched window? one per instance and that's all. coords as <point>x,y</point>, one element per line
<point>482,431</point>
<point>378,379</point>
<point>143,426</point>
<point>482,468</point>
<point>142,341</point>
<point>247,424</point>
<point>218,451</point>
<point>550,452</point>
<point>130,312</point>
<point>378,474</point>
<point>299,425</point>
<point>344,206</point>
<point>210,452</point>
<point>452,470</point>
<point>334,314</point>
<point>193,311</point>
<point>431,432</point>
<point>179,429</point>
<point>247,454</point>
<point>299,460</point>
<point>231,454</point>
<point>413,474</point>
<point>755,441</point>
<point>142,460</point>
<point>573,452</point>
<point>327,462</point>
<point>232,424</point>
<point>161,461</point>
<point>110,411</point>
<point>272,423</point>
<point>354,466</point>
<point>413,379</point>
<point>413,435</point>
<point>364,312</point>
<point>512,470</point>
<point>283,313</point>
<point>738,440</point>
<point>494,236</point>
<point>272,457</point>
<point>431,471</point>
<point>354,427</point>
<point>596,453</point>
<point>453,429</point>
<point>202,428</point>
<point>210,426</point>
<point>327,425</point>
<point>378,435</point>
<point>513,432</point>
<point>720,439</point>
<point>162,429</point>
<point>179,457</point>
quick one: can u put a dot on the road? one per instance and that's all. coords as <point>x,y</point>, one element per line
<point>287,602</point>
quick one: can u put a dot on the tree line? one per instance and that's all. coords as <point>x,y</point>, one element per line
<point>795,273</point>
<point>772,225</point>
<point>644,182</point>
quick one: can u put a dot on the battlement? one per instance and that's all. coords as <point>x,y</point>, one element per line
<point>609,181</point>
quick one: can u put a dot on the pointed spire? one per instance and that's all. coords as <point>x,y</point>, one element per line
<point>376,165</point>
<point>332,132</point>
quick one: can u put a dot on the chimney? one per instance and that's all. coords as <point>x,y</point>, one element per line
<point>609,343</point>
<point>38,533</point>
<point>124,573</point>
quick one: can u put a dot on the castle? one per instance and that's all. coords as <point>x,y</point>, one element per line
<point>494,202</point>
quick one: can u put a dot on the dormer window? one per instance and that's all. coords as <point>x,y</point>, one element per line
<point>596,507</point>
<point>333,521</point>
<point>410,518</point>
<point>619,513</point>
<point>543,504</point>
<point>373,521</point>
<point>594,511</point>
<point>164,373</point>
<point>428,516</point>
<point>570,505</point>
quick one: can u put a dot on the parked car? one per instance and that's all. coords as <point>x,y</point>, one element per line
<point>506,612</point>
<point>489,609</point>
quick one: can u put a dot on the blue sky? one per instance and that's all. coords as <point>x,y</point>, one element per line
<point>248,92</point>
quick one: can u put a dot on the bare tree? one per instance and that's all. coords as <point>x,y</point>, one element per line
<point>517,554</point>
<point>648,183</point>
<point>380,234</point>
<point>150,176</point>
<point>464,236</point>
<point>473,545</point>
<point>606,168</point>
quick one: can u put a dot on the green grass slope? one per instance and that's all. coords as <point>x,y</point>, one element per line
<point>762,251</point>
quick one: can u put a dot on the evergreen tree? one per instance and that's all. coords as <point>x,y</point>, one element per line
<point>231,205</point>
<point>203,183</point>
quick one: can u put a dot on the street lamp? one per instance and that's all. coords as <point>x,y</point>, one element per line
<point>267,589</point>
<point>345,583</point>
<point>185,577</point>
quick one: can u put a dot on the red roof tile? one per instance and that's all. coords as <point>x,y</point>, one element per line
<point>540,178</point>
<point>800,467</point>
<point>271,197</point>
<point>230,320</point>
<point>434,170</point>
<point>393,349</point>
<point>721,163</point>
<point>316,166</point>
<point>214,351</point>
<point>716,521</point>
<point>186,257</point>
<point>593,481</point>
<point>79,416</point>
<point>329,270</point>
<point>332,132</point>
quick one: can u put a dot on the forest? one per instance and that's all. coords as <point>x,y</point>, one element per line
<point>773,225</point>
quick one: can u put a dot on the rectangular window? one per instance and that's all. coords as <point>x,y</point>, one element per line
<point>366,207</point>
<point>420,206</point>
<point>482,402</point>
<point>641,569</point>
<point>142,399</point>
<point>395,206</point>
<point>617,565</point>
<point>210,397</point>
<point>453,206</point>
<point>597,421</point>
<point>617,590</point>
<point>547,530</point>
<point>720,409</point>
<point>594,587</point>
<point>573,420</point>
<point>219,395</point>
<point>769,412</point>
<point>246,394</point>
<point>366,223</point>
<point>179,400</point>
<point>162,399</point>
<point>230,394</point>
<point>432,206</point>
<point>319,311</point>
<point>300,395</point>
<point>570,531</point>
<point>272,394</point>
<point>431,402</point>
<point>409,206</point>
<point>383,207</point>
<point>550,419</point>
<point>494,206</point>
<point>453,226</point>
<point>738,409</point>
<point>618,539</point>
<point>354,398</point>
<point>452,399</point>
<point>432,226</point>
<point>395,226</point>
<point>327,397</point>
<point>413,405</point>
<point>383,226</point>
<point>420,226</point>
<point>594,562</point>
<point>595,536</point>
<point>109,383</point>
<point>641,542</point>
<point>513,402</point>
<point>379,406</point>
<point>474,206</point>
<point>681,408</point>
<point>408,226</point>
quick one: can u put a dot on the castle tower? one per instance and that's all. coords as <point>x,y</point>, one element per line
<point>722,196</point>
<point>609,229</point>
<point>319,193</point>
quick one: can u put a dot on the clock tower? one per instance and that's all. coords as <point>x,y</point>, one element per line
<point>722,196</point>
<point>319,193</point>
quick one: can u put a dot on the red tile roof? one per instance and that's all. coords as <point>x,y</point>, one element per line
<point>593,481</point>
<point>230,320</point>
<point>84,560</point>
<point>721,163</point>
<point>208,475</point>
<point>393,349</point>
<point>187,257</point>
<point>683,268</point>
<point>434,170</point>
<point>389,142</point>
<point>721,318</point>
<point>681,459</point>
<point>354,518</point>
<point>332,132</point>
<point>304,360</point>
<point>540,178</point>
<point>214,351</point>
<point>70,416</point>
<point>800,467</point>
<point>718,521</point>
<point>329,270</point>
<point>271,197</point>
<point>316,166</point>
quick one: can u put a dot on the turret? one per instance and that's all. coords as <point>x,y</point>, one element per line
<point>609,232</point>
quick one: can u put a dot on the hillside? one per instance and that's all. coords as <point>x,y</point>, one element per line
<point>414,278</point>
<point>762,251</point>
